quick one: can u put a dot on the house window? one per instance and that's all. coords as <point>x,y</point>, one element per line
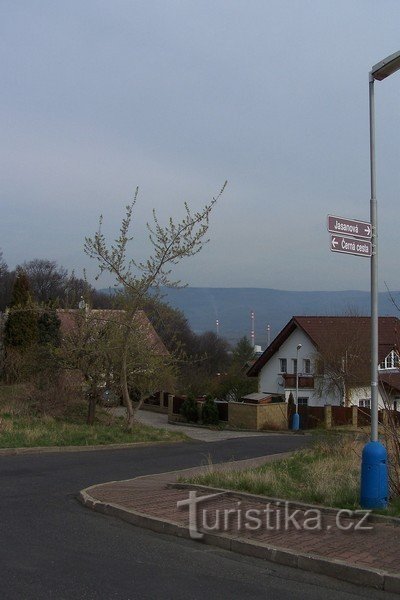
<point>302,402</point>
<point>366,403</point>
<point>392,361</point>
<point>283,365</point>
<point>294,363</point>
<point>307,366</point>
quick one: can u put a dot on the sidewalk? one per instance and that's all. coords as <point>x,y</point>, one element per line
<point>370,558</point>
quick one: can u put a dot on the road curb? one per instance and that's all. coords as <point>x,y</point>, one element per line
<point>374,578</point>
<point>61,449</point>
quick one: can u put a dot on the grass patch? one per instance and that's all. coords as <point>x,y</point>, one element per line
<point>328,473</point>
<point>21,426</point>
<point>30,432</point>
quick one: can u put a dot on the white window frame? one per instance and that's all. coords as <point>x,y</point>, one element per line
<point>302,401</point>
<point>282,362</point>
<point>306,366</point>
<point>364,403</point>
<point>294,365</point>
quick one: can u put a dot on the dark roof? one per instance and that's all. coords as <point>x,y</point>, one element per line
<point>321,329</point>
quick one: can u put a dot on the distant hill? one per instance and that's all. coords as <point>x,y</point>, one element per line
<point>232,307</point>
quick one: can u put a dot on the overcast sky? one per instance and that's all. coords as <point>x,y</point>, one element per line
<point>99,97</point>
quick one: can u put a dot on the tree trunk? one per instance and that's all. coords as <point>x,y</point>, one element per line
<point>126,399</point>
<point>91,409</point>
<point>141,400</point>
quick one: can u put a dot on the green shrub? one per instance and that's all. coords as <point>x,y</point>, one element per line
<point>209,413</point>
<point>189,410</point>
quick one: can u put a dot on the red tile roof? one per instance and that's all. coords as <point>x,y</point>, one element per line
<point>321,329</point>
<point>68,323</point>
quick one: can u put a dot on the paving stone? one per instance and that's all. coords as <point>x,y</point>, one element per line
<point>359,556</point>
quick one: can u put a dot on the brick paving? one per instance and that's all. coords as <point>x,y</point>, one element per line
<point>153,496</point>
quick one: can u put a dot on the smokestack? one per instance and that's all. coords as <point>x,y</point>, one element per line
<point>252,334</point>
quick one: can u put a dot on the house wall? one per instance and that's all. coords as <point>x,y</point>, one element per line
<point>363,393</point>
<point>268,380</point>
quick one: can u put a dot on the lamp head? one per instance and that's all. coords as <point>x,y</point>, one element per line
<point>386,67</point>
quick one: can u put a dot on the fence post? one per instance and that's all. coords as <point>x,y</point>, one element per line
<point>170,405</point>
<point>199,409</point>
<point>328,416</point>
<point>354,416</point>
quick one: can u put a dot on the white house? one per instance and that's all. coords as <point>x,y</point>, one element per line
<point>317,343</point>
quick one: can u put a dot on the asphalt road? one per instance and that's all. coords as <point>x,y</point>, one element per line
<point>53,547</point>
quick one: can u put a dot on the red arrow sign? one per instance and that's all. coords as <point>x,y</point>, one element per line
<point>339,225</point>
<point>348,245</point>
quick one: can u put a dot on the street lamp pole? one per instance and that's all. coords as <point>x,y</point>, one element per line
<point>297,377</point>
<point>374,267</point>
<point>296,416</point>
<point>374,475</point>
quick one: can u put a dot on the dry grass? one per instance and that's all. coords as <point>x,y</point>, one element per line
<point>328,474</point>
<point>24,424</point>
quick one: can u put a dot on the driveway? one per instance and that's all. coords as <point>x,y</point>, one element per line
<point>196,433</point>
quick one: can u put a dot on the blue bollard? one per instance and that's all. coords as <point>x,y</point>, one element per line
<point>296,422</point>
<point>374,476</point>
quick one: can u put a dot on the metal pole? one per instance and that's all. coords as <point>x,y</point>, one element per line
<point>374,269</point>
<point>297,379</point>
<point>374,467</point>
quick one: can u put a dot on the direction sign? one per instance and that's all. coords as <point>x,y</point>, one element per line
<point>348,245</point>
<point>339,225</point>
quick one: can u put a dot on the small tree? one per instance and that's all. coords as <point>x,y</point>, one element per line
<point>189,409</point>
<point>48,327</point>
<point>170,245</point>
<point>87,350</point>
<point>21,329</point>
<point>209,413</point>
<point>92,348</point>
<point>235,384</point>
<point>6,283</point>
<point>242,353</point>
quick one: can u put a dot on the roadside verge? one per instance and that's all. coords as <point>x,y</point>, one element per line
<point>87,448</point>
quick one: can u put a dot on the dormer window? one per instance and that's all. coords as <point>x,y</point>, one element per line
<point>392,361</point>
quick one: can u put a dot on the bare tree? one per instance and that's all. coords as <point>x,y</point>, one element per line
<point>6,283</point>
<point>52,283</point>
<point>341,362</point>
<point>87,350</point>
<point>170,243</point>
<point>46,278</point>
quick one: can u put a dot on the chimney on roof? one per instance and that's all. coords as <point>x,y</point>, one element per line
<point>83,305</point>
